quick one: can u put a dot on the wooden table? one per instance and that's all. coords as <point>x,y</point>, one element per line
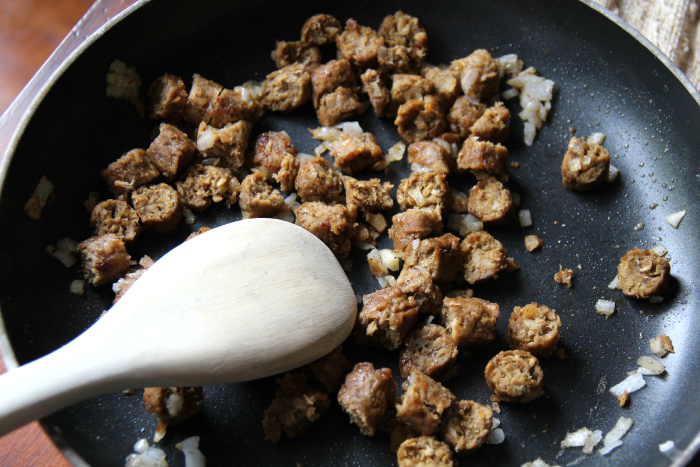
<point>30,446</point>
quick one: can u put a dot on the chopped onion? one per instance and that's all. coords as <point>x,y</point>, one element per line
<point>351,128</point>
<point>537,463</point>
<point>386,280</point>
<point>659,250</point>
<point>631,384</point>
<point>254,88</point>
<point>146,456</point>
<point>656,299</point>
<point>77,287</point>
<point>525,218</point>
<point>496,437</point>
<point>605,307</point>
<point>612,439</point>
<point>529,133</point>
<point>141,446</point>
<point>464,224</point>
<point>596,139</point>
<point>668,446</point>
<point>510,93</point>
<point>509,64</point>
<point>613,173</point>
<point>614,284</point>
<point>63,255</point>
<point>189,215</point>
<point>206,140</point>
<point>394,154</point>
<point>43,190</point>
<point>583,437</point>
<point>193,456</point>
<point>675,219</point>
<point>496,423</point>
<point>459,201</point>
<point>326,133</point>
<point>654,366</point>
<point>640,226</point>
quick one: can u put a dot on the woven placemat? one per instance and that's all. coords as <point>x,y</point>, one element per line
<point>672,25</point>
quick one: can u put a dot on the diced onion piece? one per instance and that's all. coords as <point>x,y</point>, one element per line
<point>525,218</point>
<point>150,457</point>
<point>394,154</point>
<point>605,307</point>
<point>657,347</point>
<point>496,423</point>
<point>496,437</point>
<point>43,190</point>
<point>659,250</point>
<point>351,128</point>
<point>389,259</point>
<point>206,139</point>
<point>64,256</point>
<point>613,173</point>
<point>509,64</point>
<point>582,437</point>
<point>459,201</point>
<point>537,463</point>
<point>365,246</point>
<point>614,284</point>
<point>376,266</point>
<point>656,299</point>
<point>302,156</point>
<point>668,446</point>
<point>189,215</point>
<point>193,456</point>
<point>592,441</point>
<point>631,384</point>
<point>326,133</point>
<point>254,88</point>
<point>386,280</point>
<point>596,138</point>
<point>612,439</point>
<point>651,364</point>
<point>141,446</point>
<point>675,219</point>
<point>529,133</point>
<point>77,287</point>
<point>510,93</point>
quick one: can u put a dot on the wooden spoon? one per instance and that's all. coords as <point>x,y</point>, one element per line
<point>243,301</point>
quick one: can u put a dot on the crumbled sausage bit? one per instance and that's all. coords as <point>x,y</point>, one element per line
<point>104,259</point>
<point>333,225</point>
<point>201,185</point>
<point>622,400</point>
<point>642,274</point>
<point>478,74</point>
<point>353,153</point>
<point>564,276</point>
<point>424,189</point>
<point>466,426</point>
<point>171,152</point>
<point>420,119</point>
<point>470,321</point>
<point>534,328</point>
<point>484,257</point>
<point>493,125</point>
<point>258,199</point>
<point>317,181</point>
<point>274,156</point>
<point>490,202</point>
<point>533,242</point>
<point>445,82</point>
<point>366,395</point>
<point>463,114</point>
<point>116,217</point>
<point>201,100</point>
<point>416,282</point>
<point>423,402</point>
<point>228,144</point>
<point>335,92</point>
<point>329,370</point>
<point>414,224</point>
<point>129,172</point>
<point>666,343</point>
<point>515,376</point>
<point>404,39</point>
<point>172,405</point>
<point>287,88</point>
<point>386,318</point>
<point>320,30</point>
<point>167,98</point>
<point>431,156</point>
<point>424,451</point>
<point>296,406</point>
<point>441,257</point>
<point>234,105</point>
<point>367,196</point>
<point>430,350</point>
<point>359,44</point>
<point>479,156</point>
<point>376,89</point>
<point>288,53</point>
<point>584,166</point>
<point>158,206</point>
<point>338,105</point>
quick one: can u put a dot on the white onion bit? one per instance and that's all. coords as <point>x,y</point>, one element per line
<point>631,384</point>
<point>675,219</point>
<point>613,173</point>
<point>614,284</point>
<point>605,307</point>
<point>612,439</point>
<point>650,363</point>
<point>538,463</point>
<point>525,218</point>
<point>193,456</point>
<point>496,437</point>
<point>660,250</point>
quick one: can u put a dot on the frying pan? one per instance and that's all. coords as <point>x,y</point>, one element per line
<point>608,79</point>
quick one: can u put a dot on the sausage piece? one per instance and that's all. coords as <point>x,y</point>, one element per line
<point>366,395</point>
<point>479,157</point>
<point>258,199</point>
<point>129,172</point>
<point>431,156</point>
<point>585,166</point>
<point>423,402</point>
<point>201,100</point>
<point>287,88</point>
<point>534,328</point>
<point>493,125</point>
<point>296,406</point>
<point>478,74</point>
<point>463,114</point>
<point>317,181</point>
<point>320,30</point>
<point>441,257</point>
<point>515,376</point>
<point>424,451</point>
<point>445,82</point>
<point>484,257</point>
<point>173,405</point>
<point>403,37</point>
<point>374,86</point>
<point>104,259</point>
<point>386,318</point>
<point>329,370</point>
<point>167,98</point>
<point>420,119</point>
<point>642,274</point>
<point>228,143</point>
<point>416,282</point>
<point>491,202</point>
<point>116,217</point>
<point>359,44</point>
<point>275,156</point>
<point>367,196</point>
<point>470,321</point>
<point>171,152</point>
<point>414,224</point>
<point>333,225</point>
<point>430,350</point>
<point>466,426</point>
<point>424,189</point>
<point>201,185</point>
<point>353,153</point>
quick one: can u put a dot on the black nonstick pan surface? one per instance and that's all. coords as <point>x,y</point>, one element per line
<point>607,80</point>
